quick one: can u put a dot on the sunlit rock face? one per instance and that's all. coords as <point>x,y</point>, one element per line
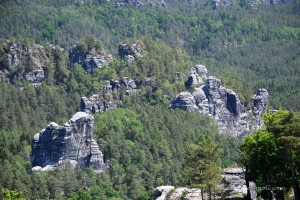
<point>71,144</point>
<point>208,96</point>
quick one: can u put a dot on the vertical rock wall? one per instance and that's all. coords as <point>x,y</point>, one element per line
<point>71,144</point>
<point>209,97</point>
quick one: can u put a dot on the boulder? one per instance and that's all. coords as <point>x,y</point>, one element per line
<point>234,184</point>
<point>68,145</point>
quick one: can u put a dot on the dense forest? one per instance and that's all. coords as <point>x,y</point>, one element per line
<point>146,144</point>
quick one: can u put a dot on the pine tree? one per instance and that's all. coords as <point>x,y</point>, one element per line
<point>202,168</point>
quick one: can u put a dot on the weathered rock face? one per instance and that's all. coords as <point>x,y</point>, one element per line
<point>170,193</point>
<point>196,76</point>
<point>97,104</point>
<point>234,184</point>
<point>251,3</point>
<point>89,60</point>
<point>259,102</point>
<point>184,101</point>
<point>109,100</point>
<point>71,144</point>
<point>139,3</point>
<point>224,105</point>
<point>131,52</point>
<point>28,60</point>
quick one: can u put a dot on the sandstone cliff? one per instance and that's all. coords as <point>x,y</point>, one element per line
<point>209,97</point>
<point>28,61</point>
<point>89,59</point>
<point>71,144</point>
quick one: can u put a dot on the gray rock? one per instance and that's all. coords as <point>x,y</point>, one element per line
<point>184,101</point>
<point>129,59</point>
<point>259,105</point>
<point>185,194</point>
<point>68,145</point>
<point>29,60</point>
<point>215,4</point>
<point>139,3</point>
<point>35,77</point>
<point>133,50</point>
<point>94,104</point>
<point>197,76</point>
<point>224,105</point>
<point>182,193</point>
<point>89,60</point>
<point>162,192</point>
<point>234,184</point>
<point>110,98</point>
<point>128,83</point>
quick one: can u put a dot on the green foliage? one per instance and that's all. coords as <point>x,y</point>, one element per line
<point>261,45</point>
<point>202,166</point>
<point>145,142</point>
<point>270,155</point>
<point>11,195</point>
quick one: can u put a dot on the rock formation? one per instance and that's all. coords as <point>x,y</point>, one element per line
<point>139,3</point>
<point>112,96</point>
<point>170,193</point>
<point>71,144</point>
<point>251,3</point>
<point>233,186</point>
<point>28,60</point>
<point>209,97</point>
<point>259,102</point>
<point>131,52</point>
<point>97,104</point>
<point>89,60</point>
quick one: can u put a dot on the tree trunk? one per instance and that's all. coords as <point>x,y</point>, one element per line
<point>294,178</point>
<point>248,196</point>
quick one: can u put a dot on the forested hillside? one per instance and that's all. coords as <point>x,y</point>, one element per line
<point>145,143</point>
<point>256,47</point>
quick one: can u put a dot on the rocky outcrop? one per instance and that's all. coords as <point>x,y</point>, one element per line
<point>96,104</point>
<point>259,102</point>
<point>131,52</point>
<point>112,95</point>
<point>68,145</point>
<point>197,76</point>
<point>170,193</point>
<point>28,61</point>
<point>250,3</point>
<point>233,186</point>
<point>90,59</point>
<point>140,3</point>
<point>184,101</point>
<point>209,97</point>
